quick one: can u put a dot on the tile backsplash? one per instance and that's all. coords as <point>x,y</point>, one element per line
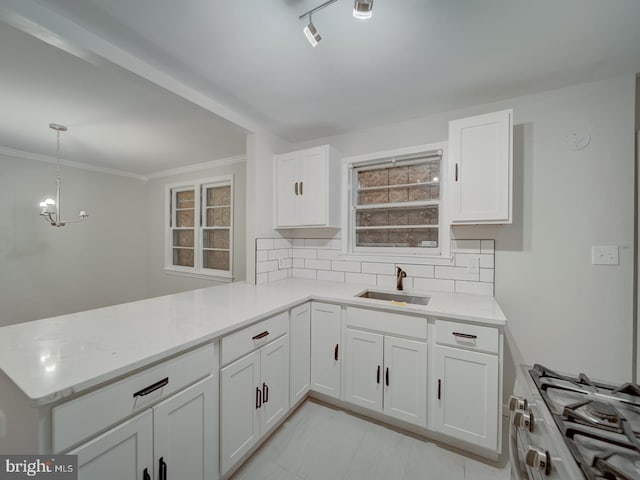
<point>321,259</point>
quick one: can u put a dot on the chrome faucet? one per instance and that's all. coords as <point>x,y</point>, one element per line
<point>400,274</point>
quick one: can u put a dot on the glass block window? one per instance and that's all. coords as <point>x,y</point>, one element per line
<point>200,227</point>
<point>396,204</point>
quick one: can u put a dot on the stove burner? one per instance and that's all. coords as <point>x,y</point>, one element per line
<point>597,421</point>
<point>602,412</point>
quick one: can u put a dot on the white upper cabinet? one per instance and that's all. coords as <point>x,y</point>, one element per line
<point>481,168</point>
<point>307,188</point>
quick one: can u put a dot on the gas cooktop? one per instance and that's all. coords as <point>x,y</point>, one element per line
<point>600,423</point>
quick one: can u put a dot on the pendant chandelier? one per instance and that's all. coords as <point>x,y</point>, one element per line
<point>50,209</point>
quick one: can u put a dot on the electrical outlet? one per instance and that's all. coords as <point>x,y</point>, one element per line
<point>474,265</point>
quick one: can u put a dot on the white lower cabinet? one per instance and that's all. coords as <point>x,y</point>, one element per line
<point>254,397</point>
<point>465,395</point>
<point>363,369</point>
<point>326,354</point>
<point>405,380</point>
<point>174,439</point>
<point>299,352</point>
<point>185,440</point>
<point>126,452</point>
<point>387,374</point>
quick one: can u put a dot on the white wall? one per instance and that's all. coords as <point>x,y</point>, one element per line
<point>260,150</point>
<point>115,256</point>
<point>562,311</point>
<point>47,271</point>
<point>161,283</point>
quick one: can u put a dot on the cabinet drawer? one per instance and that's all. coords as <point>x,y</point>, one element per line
<point>467,335</point>
<point>78,419</point>
<point>248,339</point>
<point>387,322</point>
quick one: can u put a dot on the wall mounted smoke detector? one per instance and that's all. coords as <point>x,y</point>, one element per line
<point>577,140</point>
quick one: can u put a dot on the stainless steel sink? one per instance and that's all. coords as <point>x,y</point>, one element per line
<point>398,297</point>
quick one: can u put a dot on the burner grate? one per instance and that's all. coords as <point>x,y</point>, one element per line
<point>598,435</point>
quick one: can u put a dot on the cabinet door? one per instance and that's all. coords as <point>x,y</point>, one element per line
<point>480,150</point>
<point>325,349</point>
<point>185,432</point>
<point>465,395</point>
<point>405,380</point>
<point>274,368</point>
<point>314,187</point>
<point>300,352</point>
<point>288,190</point>
<point>239,405</point>
<point>124,452</point>
<point>364,369</point>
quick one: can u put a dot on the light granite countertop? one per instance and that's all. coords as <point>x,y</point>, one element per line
<point>54,358</point>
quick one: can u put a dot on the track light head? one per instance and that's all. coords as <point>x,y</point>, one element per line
<point>363,9</point>
<point>312,34</point>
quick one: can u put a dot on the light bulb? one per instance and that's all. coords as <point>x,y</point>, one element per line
<point>363,9</point>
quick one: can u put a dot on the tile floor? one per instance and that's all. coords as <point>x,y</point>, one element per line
<point>321,443</point>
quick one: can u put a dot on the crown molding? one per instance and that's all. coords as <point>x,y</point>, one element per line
<point>221,162</point>
<point>10,152</point>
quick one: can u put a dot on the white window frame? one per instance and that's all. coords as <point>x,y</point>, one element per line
<point>198,269</point>
<point>391,254</point>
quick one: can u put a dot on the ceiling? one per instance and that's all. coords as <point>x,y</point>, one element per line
<point>116,120</point>
<point>414,58</point>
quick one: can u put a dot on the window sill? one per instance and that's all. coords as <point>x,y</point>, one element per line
<point>407,258</point>
<point>201,276</point>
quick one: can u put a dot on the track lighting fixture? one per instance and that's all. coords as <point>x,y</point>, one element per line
<point>312,33</point>
<point>363,9</point>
